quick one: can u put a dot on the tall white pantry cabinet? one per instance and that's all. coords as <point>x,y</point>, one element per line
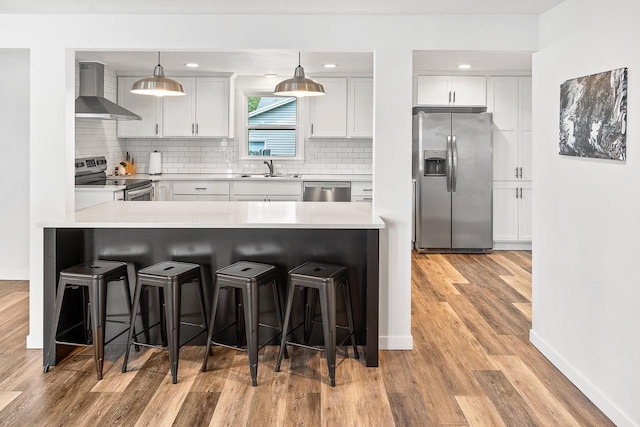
<point>509,99</point>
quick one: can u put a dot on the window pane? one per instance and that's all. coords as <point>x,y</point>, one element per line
<point>264,113</point>
<point>272,142</point>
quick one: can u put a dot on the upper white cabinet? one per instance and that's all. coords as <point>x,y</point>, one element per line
<point>345,111</point>
<point>451,90</point>
<point>147,107</point>
<point>203,111</point>
<point>510,102</point>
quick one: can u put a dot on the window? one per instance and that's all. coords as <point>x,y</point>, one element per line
<point>272,123</point>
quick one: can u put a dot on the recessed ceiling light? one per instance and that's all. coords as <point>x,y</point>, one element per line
<point>330,65</point>
<point>271,76</point>
<point>464,66</point>
<point>191,65</point>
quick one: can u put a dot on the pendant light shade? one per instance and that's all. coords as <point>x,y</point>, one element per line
<point>299,85</point>
<point>158,84</point>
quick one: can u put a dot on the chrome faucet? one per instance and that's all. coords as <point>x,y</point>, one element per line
<point>270,166</point>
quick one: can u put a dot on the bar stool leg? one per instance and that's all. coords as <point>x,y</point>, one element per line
<point>127,293</point>
<point>134,309</point>
<point>285,327</point>
<point>238,303</point>
<point>348,309</point>
<point>172,300</point>
<point>312,305</point>
<point>163,321</point>
<point>251,311</point>
<point>328,307</point>
<point>97,310</point>
<point>203,308</point>
<point>214,309</point>
<point>276,297</point>
<point>54,325</point>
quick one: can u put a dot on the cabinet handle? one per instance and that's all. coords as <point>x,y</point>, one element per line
<point>521,192</point>
<point>516,171</point>
<point>520,171</point>
<point>201,188</point>
<point>449,97</point>
<point>367,189</point>
<point>156,128</point>
<point>367,198</point>
<point>516,192</point>
<point>198,131</point>
<point>193,129</point>
<point>454,97</point>
<point>311,128</point>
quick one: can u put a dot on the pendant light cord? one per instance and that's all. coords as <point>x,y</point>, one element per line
<point>158,58</point>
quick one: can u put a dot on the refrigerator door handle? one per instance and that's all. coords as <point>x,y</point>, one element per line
<point>454,174</point>
<point>449,164</point>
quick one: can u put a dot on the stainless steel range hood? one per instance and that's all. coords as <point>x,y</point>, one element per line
<point>91,104</point>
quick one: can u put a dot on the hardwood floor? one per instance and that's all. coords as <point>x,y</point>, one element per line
<point>472,365</point>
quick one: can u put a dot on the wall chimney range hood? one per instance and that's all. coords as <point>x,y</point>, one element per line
<point>91,104</point>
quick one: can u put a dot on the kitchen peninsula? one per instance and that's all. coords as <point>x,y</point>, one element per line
<point>216,234</point>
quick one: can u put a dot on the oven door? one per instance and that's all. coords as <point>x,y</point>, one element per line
<point>141,194</point>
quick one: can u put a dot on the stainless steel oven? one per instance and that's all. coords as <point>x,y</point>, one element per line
<point>142,193</point>
<point>90,173</point>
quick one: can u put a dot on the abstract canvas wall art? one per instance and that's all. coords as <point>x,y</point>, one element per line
<point>593,116</point>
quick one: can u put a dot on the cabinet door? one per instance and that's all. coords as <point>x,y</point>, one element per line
<point>147,107</point>
<point>329,112</point>
<point>525,127</point>
<point>505,155</point>
<point>178,112</point>
<point>524,214</point>
<point>360,107</point>
<point>162,191</point>
<point>433,90</point>
<point>503,103</point>
<point>212,107</point>
<point>505,213</point>
<point>469,90</point>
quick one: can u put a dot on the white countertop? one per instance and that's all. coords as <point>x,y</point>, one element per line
<point>235,176</point>
<point>341,215</point>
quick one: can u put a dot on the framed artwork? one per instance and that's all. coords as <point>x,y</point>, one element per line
<point>593,116</point>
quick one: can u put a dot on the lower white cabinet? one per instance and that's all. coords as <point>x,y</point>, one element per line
<point>266,191</point>
<point>512,212</point>
<point>88,197</point>
<point>200,190</point>
<point>362,191</point>
<point>162,191</point>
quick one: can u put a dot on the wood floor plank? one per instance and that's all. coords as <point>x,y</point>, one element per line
<point>472,365</point>
<point>479,411</point>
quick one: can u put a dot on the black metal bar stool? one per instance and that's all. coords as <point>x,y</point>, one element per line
<point>246,277</point>
<point>94,277</point>
<point>324,278</point>
<point>168,277</point>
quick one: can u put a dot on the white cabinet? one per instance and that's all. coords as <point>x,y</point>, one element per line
<point>360,103</point>
<point>162,191</point>
<point>451,90</point>
<point>147,107</point>
<point>512,212</point>
<point>362,191</point>
<point>510,102</point>
<point>86,197</point>
<point>203,111</point>
<point>201,190</point>
<point>329,112</point>
<point>266,191</point>
<point>345,111</point>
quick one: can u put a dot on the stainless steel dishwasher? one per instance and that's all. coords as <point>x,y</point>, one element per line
<point>326,191</point>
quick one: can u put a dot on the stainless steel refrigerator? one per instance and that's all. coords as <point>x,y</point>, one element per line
<point>453,171</point>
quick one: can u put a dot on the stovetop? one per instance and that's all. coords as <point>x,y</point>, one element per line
<point>90,171</point>
<point>128,183</point>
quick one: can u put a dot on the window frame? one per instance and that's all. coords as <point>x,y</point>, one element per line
<point>244,135</point>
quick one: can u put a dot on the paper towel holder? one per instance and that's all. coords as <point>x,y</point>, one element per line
<point>155,163</point>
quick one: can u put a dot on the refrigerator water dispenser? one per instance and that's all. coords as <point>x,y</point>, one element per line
<point>435,162</point>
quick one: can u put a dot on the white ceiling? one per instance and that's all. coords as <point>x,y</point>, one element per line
<point>283,62</point>
<point>330,7</point>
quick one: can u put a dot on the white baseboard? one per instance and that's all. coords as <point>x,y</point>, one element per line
<point>511,246</point>
<point>396,342</point>
<point>618,417</point>
<point>35,341</point>
<point>14,274</point>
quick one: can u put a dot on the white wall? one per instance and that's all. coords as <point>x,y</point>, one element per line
<point>14,173</point>
<point>586,287</point>
<point>52,39</point>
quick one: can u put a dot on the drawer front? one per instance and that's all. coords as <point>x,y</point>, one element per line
<point>267,188</point>
<point>201,187</point>
<point>200,198</point>
<point>361,188</point>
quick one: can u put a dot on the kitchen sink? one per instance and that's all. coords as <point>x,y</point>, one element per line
<point>266,175</point>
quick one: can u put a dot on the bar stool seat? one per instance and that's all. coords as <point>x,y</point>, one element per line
<point>324,278</point>
<point>168,277</point>
<point>93,276</point>
<point>246,278</point>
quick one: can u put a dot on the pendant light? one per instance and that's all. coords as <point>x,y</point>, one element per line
<point>299,85</point>
<point>158,84</point>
